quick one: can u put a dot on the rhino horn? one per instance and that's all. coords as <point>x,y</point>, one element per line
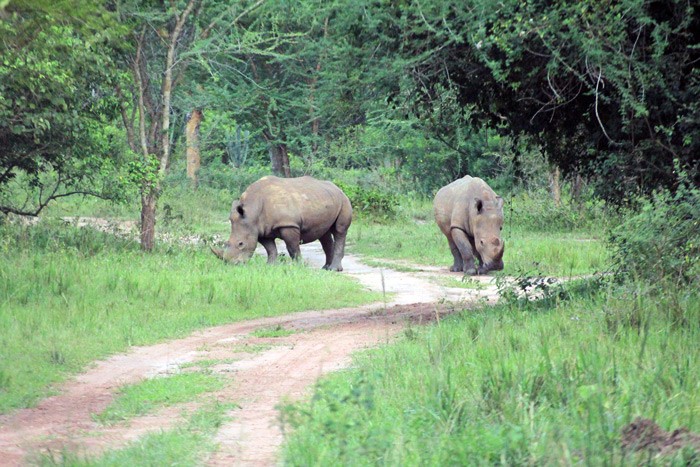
<point>218,252</point>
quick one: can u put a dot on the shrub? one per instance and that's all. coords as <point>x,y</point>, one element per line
<point>371,202</point>
<point>661,241</point>
<point>536,211</point>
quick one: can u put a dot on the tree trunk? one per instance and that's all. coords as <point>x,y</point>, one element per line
<point>279,158</point>
<point>192,136</point>
<point>284,156</point>
<point>148,220</point>
<point>576,189</point>
<point>555,182</point>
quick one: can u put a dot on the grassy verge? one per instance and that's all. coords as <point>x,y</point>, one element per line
<point>148,395</point>
<point>187,445</point>
<point>69,296</point>
<point>558,253</point>
<point>548,383</point>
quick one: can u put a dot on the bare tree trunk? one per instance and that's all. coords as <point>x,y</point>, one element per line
<point>148,220</point>
<point>275,161</point>
<point>194,160</point>
<point>555,183</point>
<point>577,188</point>
<point>279,156</point>
<point>284,157</point>
<point>279,159</point>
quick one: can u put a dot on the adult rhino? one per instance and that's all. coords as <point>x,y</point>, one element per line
<point>297,210</point>
<point>470,214</point>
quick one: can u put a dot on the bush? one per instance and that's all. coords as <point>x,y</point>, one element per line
<point>661,242</point>
<point>536,211</point>
<point>370,202</point>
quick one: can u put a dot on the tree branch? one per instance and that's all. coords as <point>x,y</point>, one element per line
<point>600,122</point>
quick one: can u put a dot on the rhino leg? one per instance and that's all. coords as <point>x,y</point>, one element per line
<point>270,248</point>
<point>457,265</point>
<point>328,245</point>
<point>465,249</point>
<point>338,251</point>
<point>292,238</point>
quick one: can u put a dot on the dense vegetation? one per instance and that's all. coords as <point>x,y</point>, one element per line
<point>583,115</point>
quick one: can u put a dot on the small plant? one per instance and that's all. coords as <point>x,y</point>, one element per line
<point>274,331</point>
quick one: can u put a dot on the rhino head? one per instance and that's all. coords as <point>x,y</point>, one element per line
<point>244,236</point>
<point>487,223</point>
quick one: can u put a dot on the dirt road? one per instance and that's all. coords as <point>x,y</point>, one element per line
<point>284,370</point>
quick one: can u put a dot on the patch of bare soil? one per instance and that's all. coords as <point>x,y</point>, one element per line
<point>263,372</point>
<point>645,435</point>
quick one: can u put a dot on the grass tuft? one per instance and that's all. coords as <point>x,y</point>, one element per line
<point>144,397</point>
<point>274,331</point>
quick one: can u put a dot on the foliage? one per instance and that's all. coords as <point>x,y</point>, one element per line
<point>532,383</point>
<point>609,90</point>
<point>370,201</point>
<point>661,242</point>
<point>57,104</point>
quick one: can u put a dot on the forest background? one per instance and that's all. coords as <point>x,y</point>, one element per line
<point>584,115</point>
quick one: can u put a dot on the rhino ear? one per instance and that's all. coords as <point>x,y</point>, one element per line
<point>479,206</point>
<point>240,210</point>
<point>499,202</point>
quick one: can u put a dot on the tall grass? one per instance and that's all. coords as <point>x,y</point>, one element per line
<point>549,383</point>
<point>69,296</point>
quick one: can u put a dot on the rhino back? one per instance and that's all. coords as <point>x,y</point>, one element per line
<point>306,203</point>
<point>452,204</point>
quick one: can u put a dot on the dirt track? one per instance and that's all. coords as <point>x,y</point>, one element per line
<point>259,380</point>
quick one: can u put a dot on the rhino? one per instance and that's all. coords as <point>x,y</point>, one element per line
<point>470,214</point>
<point>297,210</point>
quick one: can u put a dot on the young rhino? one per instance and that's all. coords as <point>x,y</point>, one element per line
<point>470,214</point>
<point>297,210</point>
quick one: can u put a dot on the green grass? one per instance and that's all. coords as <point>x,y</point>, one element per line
<point>69,296</point>
<point>274,331</point>
<point>389,265</point>
<point>549,253</point>
<point>186,445</point>
<point>462,282</point>
<point>151,394</point>
<point>548,383</point>
<point>207,363</point>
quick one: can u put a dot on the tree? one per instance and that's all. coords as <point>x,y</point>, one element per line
<point>610,90</point>
<point>162,33</point>
<point>194,159</point>
<point>56,106</point>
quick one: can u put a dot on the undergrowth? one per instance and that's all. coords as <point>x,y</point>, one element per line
<point>523,383</point>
